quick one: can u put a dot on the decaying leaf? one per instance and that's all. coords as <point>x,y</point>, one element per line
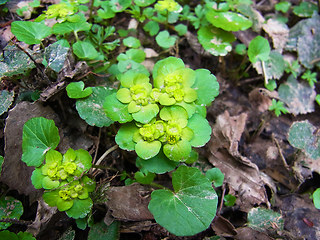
<point>43,217</point>
<point>129,203</point>
<point>298,96</point>
<point>250,234</point>
<point>278,31</point>
<point>241,174</point>
<point>15,173</point>
<point>223,227</point>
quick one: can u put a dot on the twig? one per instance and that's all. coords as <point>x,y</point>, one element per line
<point>106,154</point>
<point>15,221</point>
<point>222,197</point>
<point>97,147</point>
<point>280,152</point>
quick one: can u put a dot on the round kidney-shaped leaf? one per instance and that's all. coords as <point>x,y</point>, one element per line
<point>201,129</point>
<point>9,208</point>
<point>190,208</point>
<point>39,136</point>
<point>207,87</point>
<point>80,208</point>
<point>215,40</point>
<point>91,108</point>
<point>76,90</point>
<point>30,32</point>
<point>229,21</point>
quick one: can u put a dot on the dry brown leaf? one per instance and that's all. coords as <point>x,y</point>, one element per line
<point>43,217</point>
<point>240,173</point>
<point>129,203</point>
<point>260,98</point>
<point>250,234</point>
<point>15,173</point>
<point>278,31</point>
<point>223,227</point>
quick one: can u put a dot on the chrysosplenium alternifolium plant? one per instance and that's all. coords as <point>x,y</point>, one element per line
<point>169,116</point>
<point>61,176</point>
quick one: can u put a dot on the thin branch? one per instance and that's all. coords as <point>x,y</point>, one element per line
<point>106,154</point>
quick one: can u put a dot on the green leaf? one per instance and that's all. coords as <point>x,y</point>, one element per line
<point>101,231</point>
<point>229,21</point>
<point>80,208</point>
<point>264,220</point>
<point>308,46</point>
<point>76,90</point>
<point>283,6</point>
<point>181,29</point>
<point>7,235</point>
<point>131,42</point>
<point>36,178</point>
<point>215,40</point>
<point>47,183</point>
<point>302,135</point>
<point>152,28</point>
<point>6,99</point>
<point>13,61</point>
<point>68,27</point>
<point>258,49</point>
<point>39,136</point>
<point>190,208</point>
<point>215,176</point>
<point>178,152</point>
<point>278,108</point>
<point>124,137</point>
<point>55,55</point>
<point>164,39</point>
<point>9,208</point>
<point>146,113</point>
<point>84,50</point>
<point>83,159</point>
<point>158,164</point>
<point>137,55</point>
<point>318,99</point>
<point>30,32</point>
<point>143,3</point>
<point>274,66</point>
<point>91,108</point>
<point>298,96</point>
<point>201,129</point>
<point>24,236</point>
<point>316,198</point>
<point>173,113</point>
<point>144,178</point>
<point>119,5</point>
<point>147,150</point>
<point>229,200</point>
<point>116,110</point>
<point>207,87</point>
<point>305,9</point>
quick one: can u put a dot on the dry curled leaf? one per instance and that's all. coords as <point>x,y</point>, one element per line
<point>241,174</point>
<point>129,203</point>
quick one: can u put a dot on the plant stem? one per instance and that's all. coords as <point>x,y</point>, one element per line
<point>156,185</point>
<point>91,11</point>
<point>106,153</point>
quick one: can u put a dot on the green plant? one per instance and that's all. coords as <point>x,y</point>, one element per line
<point>311,77</point>
<point>62,176</point>
<point>316,198</point>
<point>278,108</point>
<point>180,94</point>
<point>6,235</point>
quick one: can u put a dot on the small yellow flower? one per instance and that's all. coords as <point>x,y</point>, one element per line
<point>169,5</point>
